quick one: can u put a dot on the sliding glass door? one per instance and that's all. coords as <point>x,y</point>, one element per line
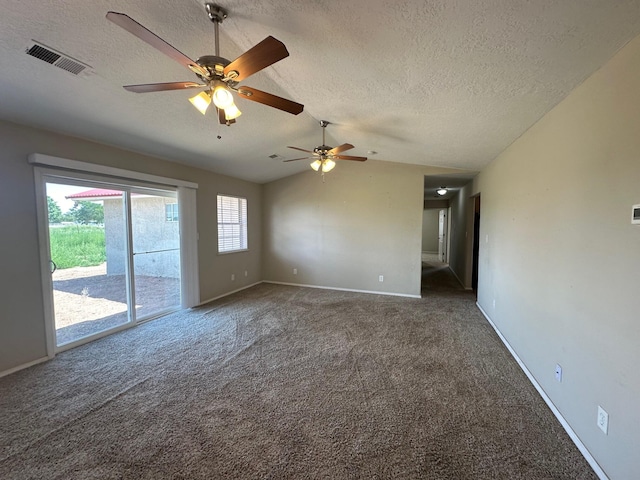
<point>156,252</point>
<point>114,255</point>
<point>89,285</point>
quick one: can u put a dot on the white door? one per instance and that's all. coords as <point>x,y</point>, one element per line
<point>442,234</point>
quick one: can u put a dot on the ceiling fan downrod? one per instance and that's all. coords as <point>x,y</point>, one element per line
<point>216,14</point>
<point>323,124</point>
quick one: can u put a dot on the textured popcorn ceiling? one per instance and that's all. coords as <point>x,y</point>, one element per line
<point>448,83</point>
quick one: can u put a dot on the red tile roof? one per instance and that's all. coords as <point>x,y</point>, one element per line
<point>94,193</point>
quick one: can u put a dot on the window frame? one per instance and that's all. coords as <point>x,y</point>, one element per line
<point>243,220</point>
<point>174,213</point>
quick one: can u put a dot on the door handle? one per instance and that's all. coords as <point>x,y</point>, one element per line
<point>53,267</point>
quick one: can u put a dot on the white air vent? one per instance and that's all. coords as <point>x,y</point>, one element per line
<point>60,60</point>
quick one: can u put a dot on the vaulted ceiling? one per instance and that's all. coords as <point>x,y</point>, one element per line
<point>432,82</point>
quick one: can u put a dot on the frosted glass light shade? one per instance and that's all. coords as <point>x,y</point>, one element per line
<point>232,112</point>
<point>201,102</point>
<point>222,97</point>
<point>316,165</point>
<point>328,165</point>
<point>442,191</point>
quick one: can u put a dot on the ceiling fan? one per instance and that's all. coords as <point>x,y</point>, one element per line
<point>325,156</point>
<point>218,76</point>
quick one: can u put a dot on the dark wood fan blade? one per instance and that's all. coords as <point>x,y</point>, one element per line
<point>340,148</point>
<point>133,27</point>
<point>265,53</point>
<point>161,87</point>
<point>271,100</point>
<point>349,157</point>
<point>301,149</point>
<point>294,159</point>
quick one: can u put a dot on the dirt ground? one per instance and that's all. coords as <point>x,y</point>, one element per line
<point>89,300</point>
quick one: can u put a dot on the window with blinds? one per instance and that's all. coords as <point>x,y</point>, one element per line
<point>232,224</point>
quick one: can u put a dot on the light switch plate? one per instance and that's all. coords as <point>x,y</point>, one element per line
<point>635,214</point>
<point>558,373</point>
<point>603,420</point>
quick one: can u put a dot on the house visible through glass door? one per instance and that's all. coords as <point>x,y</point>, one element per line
<point>89,282</point>
<point>156,252</point>
<point>111,248</point>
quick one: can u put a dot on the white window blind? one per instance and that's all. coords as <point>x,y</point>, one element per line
<point>232,224</point>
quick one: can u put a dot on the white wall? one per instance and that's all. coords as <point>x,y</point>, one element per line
<point>430,229</point>
<point>22,338</point>
<point>365,220</point>
<point>562,259</point>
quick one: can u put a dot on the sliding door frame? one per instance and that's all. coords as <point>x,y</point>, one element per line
<point>48,168</point>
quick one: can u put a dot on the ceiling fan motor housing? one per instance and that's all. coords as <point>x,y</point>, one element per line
<point>322,149</point>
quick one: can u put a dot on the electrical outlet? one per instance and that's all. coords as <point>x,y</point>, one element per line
<point>381,278</point>
<point>246,273</point>
<point>603,420</point>
<point>559,373</point>
<point>295,271</point>
<point>494,303</point>
<point>233,277</point>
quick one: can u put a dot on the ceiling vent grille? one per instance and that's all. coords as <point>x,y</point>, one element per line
<point>60,60</point>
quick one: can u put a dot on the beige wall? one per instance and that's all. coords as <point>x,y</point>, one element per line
<point>22,338</point>
<point>430,229</point>
<point>365,220</point>
<point>461,218</point>
<point>562,260</point>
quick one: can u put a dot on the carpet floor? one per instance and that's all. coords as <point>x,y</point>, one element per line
<point>289,382</point>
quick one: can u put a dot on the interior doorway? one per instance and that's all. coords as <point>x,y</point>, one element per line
<point>476,243</point>
<point>443,236</point>
<point>114,256</point>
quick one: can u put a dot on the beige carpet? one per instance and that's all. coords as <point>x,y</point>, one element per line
<point>287,382</point>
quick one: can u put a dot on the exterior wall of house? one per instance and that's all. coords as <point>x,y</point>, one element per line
<point>114,236</point>
<point>561,258</point>
<point>22,328</point>
<point>363,221</point>
<point>151,233</point>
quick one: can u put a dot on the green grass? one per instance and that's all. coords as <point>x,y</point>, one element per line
<point>77,246</point>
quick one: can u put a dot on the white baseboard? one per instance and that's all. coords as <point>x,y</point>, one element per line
<point>344,289</point>
<point>581,446</point>
<point>458,278</point>
<point>228,293</point>
<point>23,366</point>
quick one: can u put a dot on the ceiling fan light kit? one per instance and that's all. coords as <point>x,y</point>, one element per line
<point>441,191</point>
<point>327,165</point>
<point>220,76</point>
